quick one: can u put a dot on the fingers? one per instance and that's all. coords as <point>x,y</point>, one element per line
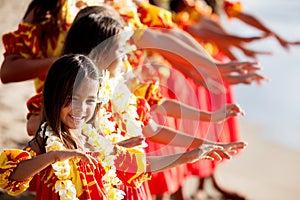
<point>248,67</point>
<point>132,142</point>
<point>234,147</point>
<point>92,161</point>
<point>234,110</point>
<point>217,154</point>
<point>248,78</point>
<point>240,67</point>
<point>254,77</point>
<point>213,152</point>
<point>295,43</point>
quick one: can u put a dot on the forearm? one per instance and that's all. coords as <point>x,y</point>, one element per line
<point>29,168</point>
<point>218,38</point>
<point>177,109</point>
<point>176,50</point>
<point>168,136</point>
<point>16,68</point>
<point>249,19</point>
<point>188,39</point>
<point>162,163</point>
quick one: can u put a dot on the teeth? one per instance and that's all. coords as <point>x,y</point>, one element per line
<point>77,118</point>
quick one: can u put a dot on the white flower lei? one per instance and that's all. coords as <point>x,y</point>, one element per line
<point>125,6</point>
<point>64,186</point>
<point>105,147</point>
<point>123,105</point>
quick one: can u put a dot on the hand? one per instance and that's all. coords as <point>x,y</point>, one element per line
<point>211,152</point>
<point>251,39</point>
<point>61,155</point>
<point>238,67</point>
<point>228,110</point>
<point>233,147</point>
<point>245,79</point>
<point>132,142</point>
<point>284,43</point>
<point>253,53</point>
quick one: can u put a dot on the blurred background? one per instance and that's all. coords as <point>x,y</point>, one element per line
<point>276,104</point>
<point>269,167</point>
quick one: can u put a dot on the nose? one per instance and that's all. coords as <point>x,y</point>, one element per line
<point>78,107</point>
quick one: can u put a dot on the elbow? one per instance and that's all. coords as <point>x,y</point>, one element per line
<point>4,77</point>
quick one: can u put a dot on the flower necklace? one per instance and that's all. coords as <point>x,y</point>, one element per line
<point>64,186</point>
<point>106,158</point>
<point>115,92</point>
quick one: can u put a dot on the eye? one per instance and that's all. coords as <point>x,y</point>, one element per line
<point>74,99</point>
<point>91,101</point>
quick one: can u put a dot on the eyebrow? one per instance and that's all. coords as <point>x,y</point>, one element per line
<point>94,96</point>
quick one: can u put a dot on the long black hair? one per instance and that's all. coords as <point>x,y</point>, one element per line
<point>90,28</point>
<point>63,78</point>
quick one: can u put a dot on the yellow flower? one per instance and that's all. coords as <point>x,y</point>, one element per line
<point>121,97</point>
<point>65,189</point>
<point>61,169</point>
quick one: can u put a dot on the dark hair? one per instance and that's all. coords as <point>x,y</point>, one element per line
<point>94,34</point>
<point>177,5</point>
<point>63,78</point>
<point>46,16</point>
<point>216,5</point>
<point>104,10</point>
<point>91,28</point>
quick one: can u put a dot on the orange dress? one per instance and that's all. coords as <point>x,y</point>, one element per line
<point>87,181</point>
<point>153,16</point>
<point>25,41</point>
<point>224,132</point>
<point>170,180</point>
<point>143,111</point>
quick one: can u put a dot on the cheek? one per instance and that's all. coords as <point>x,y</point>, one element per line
<point>116,65</point>
<point>65,111</point>
<point>90,111</point>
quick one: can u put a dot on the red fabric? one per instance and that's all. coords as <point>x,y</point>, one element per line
<point>34,104</point>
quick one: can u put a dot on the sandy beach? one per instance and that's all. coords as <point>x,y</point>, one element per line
<point>263,171</point>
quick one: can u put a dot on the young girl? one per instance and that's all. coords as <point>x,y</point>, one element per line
<point>34,46</point>
<point>99,30</point>
<point>106,47</point>
<point>62,162</point>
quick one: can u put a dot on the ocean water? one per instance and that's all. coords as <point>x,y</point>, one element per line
<point>275,105</point>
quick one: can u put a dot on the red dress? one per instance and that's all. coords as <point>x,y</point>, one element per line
<point>25,41</point>
<point>87,181</point>
<point>170,180</point>
<point>224,132</point>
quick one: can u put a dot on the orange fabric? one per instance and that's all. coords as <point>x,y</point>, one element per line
<point>150,91</point>
<point>154,16</point>
<point>88,182</point>
<point>227,131</point>
<point>34,104</point>
<point>25,41</point>
<point>232,8</point>
<point>135,187</point>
